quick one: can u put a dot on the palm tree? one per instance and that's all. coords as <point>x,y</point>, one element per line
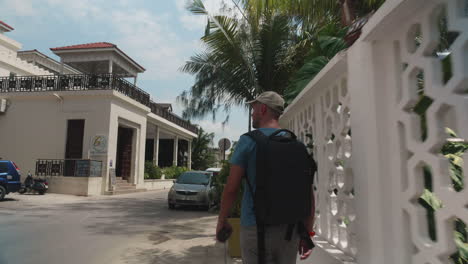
<point>313,12</point>
<point>326,43</point>
<point>242,59</point>
<point>202,155</point>
<point>324,23</point>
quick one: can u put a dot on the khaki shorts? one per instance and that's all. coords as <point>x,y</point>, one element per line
<point>278,250</point>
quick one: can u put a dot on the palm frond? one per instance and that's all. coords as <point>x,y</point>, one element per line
<point>196,7</point>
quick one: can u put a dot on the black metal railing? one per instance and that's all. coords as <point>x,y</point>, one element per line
<point>160,111</point>
<point>69,167</point>
<point>73,82</point>
<point>85,82</point>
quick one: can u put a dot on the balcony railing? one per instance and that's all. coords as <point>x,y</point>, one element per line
<point>72,82</point>
<point>68,167</point>
<point>85,82</point>
<point>160,111</point>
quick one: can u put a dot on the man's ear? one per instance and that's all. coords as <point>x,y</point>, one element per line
<point>263,109</point>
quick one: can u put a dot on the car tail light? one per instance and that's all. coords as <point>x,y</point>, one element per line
<point>46,183</point>
<point>16,167</point>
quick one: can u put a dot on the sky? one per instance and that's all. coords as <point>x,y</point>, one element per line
<point>159,34</point>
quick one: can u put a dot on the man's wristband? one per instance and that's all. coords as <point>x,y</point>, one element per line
<point>312,233</point>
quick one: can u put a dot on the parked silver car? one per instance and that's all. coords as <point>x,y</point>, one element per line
<point>191,188</point>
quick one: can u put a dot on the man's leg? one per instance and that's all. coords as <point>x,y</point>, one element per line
<point>277,249</point>
<point>248,241</point>
<point>282,250</point>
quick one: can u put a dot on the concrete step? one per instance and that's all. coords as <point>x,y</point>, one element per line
<point>121,181</point>
<point>124,184</point>
<point>117,192</point>
<point>130,187</point>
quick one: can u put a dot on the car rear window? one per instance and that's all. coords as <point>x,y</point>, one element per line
<point>3,167</point>
<point>194,178</point>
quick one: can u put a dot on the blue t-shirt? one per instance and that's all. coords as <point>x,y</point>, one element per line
<point>245,156</point>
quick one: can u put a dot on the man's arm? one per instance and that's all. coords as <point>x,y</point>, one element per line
<point>310,220</point>
<point>304,251</point>
<point>229,194</point>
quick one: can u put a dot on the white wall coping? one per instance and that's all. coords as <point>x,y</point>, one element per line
<point>20,66</point>
<point>389,16</point>
<point>131,101</point>
<point>336,65</point>
<point>9,43</point>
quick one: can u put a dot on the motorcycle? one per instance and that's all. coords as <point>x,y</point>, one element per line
<point>32,185</point>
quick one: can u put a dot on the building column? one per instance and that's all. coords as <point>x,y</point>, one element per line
<point>189,161</point>
<point>156,147</point>
<point>135,79</point>
<point>111,66</point>
<point>176,149</point>
<point>61,66</point>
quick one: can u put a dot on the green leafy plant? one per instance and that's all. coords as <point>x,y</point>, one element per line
<point>202,155</point>
<point>152,171</point>
<point>173,172</point>
<point>453,151</point>
<point>326,42</point>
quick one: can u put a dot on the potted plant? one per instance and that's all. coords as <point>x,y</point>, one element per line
<point>234,248</point>
<point>234,217</point>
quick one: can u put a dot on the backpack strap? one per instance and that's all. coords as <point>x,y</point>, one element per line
<point>292,136</point>
<point>259,138</point>
<point>258,197</point>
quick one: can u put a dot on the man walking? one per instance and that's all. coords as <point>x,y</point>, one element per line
<point>280,244</point>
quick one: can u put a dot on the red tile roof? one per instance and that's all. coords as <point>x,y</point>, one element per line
<point>6,25</point>
<point>97,45</point>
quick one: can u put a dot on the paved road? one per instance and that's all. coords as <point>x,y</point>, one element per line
<point>133,228</point>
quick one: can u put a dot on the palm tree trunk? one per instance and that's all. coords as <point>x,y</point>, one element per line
<point>347,12</point>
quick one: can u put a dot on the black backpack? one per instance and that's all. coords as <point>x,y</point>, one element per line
<point>284,178</point>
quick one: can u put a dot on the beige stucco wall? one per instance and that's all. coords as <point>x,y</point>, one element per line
<point>128,113</point>
<point>82,186</point>
<point>35,127</point>
<point>35,124</point>
<point>158,184</point>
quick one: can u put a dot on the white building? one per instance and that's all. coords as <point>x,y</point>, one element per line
<point>81,117</point>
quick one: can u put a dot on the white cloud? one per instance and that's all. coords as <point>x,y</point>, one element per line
<point>20,7</point>
<point>144,35</point>
<point>150,41</point>
<point>231,131</point>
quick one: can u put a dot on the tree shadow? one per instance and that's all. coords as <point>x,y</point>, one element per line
<point>129,216</point>
<point>8,199</point>
<point>212,253</point>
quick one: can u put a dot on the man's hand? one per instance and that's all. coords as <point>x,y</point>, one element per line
<point>229,195</point>
<point>222,223</point>
<point>304,251</point>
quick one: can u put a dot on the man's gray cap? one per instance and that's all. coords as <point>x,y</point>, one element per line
<point>272,99</point>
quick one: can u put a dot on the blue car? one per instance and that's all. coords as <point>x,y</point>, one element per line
<point>10,178</point>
